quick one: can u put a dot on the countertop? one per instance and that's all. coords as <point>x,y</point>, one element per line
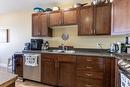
<point>6,79</point>
<point>98,53</point>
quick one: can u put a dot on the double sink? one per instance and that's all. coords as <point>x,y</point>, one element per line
<point>62,51</point>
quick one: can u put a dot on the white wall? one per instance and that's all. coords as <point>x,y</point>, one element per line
<point>19,25</point>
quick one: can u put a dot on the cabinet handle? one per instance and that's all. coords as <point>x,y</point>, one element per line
<point>88,74</point>
<point>88,60</point>
<point>88,67</point>
<point>94,31</point>
<point>88,85</point>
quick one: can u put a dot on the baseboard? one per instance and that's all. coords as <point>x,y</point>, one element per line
<point>3,65</point>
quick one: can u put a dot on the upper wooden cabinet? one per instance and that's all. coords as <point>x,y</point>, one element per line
<point>40,25</point>
<point>95,20</point>
<point>102,19</point>
<point>85,21</point>
<point>65,17</point>
<point>55,18</point>
<point>121,17</point>
<point>69,17</point>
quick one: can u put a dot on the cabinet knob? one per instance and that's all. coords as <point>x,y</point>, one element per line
<point>88,74</point>
<point>88,67</point>
<point>88,60</point>
<point>88,85</point>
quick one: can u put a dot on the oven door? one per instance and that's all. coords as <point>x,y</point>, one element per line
<point>124,79</point>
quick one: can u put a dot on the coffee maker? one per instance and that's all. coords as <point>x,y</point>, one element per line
<point>36,44</point>
<point>45,45</point>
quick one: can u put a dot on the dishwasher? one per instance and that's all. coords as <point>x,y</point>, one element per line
<point>32,67</point>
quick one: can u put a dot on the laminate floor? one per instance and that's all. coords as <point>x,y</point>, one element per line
<point>26,83</point>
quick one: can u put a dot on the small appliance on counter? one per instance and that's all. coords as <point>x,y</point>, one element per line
<point>36,44</point>
<point>45,45</point>
<point>118,47</point>
<point>114,48</point>
<point>27,46</point>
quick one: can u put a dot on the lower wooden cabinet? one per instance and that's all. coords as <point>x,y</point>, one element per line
<point>49,69</point>
<point>59,70</point>
<point>67,71</point>
<point>95,72</point>
<point>18,64</point>
<point>84,82</point>
<point>78,71</point>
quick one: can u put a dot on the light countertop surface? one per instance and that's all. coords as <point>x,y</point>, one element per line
<point>6,79</point>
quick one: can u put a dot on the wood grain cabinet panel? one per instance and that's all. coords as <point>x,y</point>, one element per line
<point>121,17</point>
<point>85,21</point>
<point>49,70</point>
<point>67,71</point>
<point>40,25</point>
<point>35,25</point>
<point>102,19</point>
<point>70,17</point>
<point>84,82</point>
<point>55,18</point>
<point>95,71</point>
<point>18,64</point>
<point>94,20</point>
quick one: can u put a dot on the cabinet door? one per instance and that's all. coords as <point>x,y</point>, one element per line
<point>45,31</point>
<point>121,17</point>
<point>102,16</point>
<point>70,17</point>
<point>55,18</point>
<point>67,72</point>
<point>85,21</point>
<point>49,70</point>
<point>35,25</point>
<point>18,64</point>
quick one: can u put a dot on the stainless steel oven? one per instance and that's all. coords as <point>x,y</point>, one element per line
<point>124,69</point>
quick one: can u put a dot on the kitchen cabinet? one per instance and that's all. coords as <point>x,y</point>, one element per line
<point>94,20</point>
<point>69,17</point>
<point>49,70</point>
<point>67,71</point>
<point>85,21</point>
<point>18,64</point>
<point>121,17</point>
<point>95,72</point>
<point>64,17</point>
<point>40,25</point>
<point>58,70</point>
<point>102,19</point>
<point>55,18</point>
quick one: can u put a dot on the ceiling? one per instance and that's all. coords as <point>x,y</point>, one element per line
<point>19,5</point>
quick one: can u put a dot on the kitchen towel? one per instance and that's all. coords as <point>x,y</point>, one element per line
<point>31,59</point>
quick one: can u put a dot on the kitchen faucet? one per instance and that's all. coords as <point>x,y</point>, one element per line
<point>63,47</point>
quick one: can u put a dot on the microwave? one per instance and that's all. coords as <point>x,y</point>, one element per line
<point>36,44</point>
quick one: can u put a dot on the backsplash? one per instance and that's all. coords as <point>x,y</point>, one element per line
<point>81,41</point>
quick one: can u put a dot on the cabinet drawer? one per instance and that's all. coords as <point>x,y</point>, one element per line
<point>82,82</point>
<point>90,67</point>
<point>67,58</point>
<point>90,75</point>
<point>89,60</point>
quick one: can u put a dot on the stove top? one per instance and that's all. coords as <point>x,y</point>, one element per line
<point>124,64</point>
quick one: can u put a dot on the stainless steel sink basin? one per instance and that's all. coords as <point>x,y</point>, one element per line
<point>61,51</point>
